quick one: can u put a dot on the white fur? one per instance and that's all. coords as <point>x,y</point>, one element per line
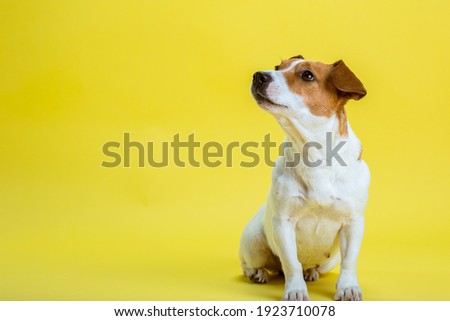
<point>313,215</point>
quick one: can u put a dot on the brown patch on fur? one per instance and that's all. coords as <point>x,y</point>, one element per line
<point>342,118</point>
<point>360,154</point>
<point>320,95</point>
<point>284,64</point>
<point>325,96</point>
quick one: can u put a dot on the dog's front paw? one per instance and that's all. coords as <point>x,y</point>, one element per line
<point>295,289</point>
<point>352,293</point>
<point>296,295</point>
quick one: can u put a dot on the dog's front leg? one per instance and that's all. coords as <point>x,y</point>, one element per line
<point>350,242</point>
<point>285,241</point>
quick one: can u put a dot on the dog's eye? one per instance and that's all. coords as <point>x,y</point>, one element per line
<point>307,75</point>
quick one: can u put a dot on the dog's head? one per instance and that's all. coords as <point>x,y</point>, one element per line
<point>299,87</point>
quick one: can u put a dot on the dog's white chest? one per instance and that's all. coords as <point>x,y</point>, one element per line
<point>317,226</point>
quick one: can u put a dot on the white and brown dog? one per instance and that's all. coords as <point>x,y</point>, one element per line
<point>314,215</point>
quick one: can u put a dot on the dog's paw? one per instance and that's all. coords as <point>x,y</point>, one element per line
<point>311,275</point>
<point>297,295</point>
<point>352,293</point>
<point>257,275</point>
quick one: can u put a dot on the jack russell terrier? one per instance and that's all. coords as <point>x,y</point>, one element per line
<point>314,215</point>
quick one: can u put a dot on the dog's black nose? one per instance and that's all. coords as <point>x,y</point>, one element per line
<point>260,78</point>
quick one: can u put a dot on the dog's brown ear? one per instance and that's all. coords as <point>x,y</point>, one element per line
<point>297,57</point>
<point>346,82</point>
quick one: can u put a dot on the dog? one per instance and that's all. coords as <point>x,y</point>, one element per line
<point>314,215</point>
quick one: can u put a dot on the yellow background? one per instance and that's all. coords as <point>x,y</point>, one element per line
<point>76,74</point>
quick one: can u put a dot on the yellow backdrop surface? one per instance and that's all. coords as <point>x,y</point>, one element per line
<point>77,74</point>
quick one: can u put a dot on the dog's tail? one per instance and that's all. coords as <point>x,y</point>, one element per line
<point>331,264</point>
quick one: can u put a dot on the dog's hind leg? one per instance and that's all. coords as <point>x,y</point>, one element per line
<point>255,254</point>
<point>311,274</point>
